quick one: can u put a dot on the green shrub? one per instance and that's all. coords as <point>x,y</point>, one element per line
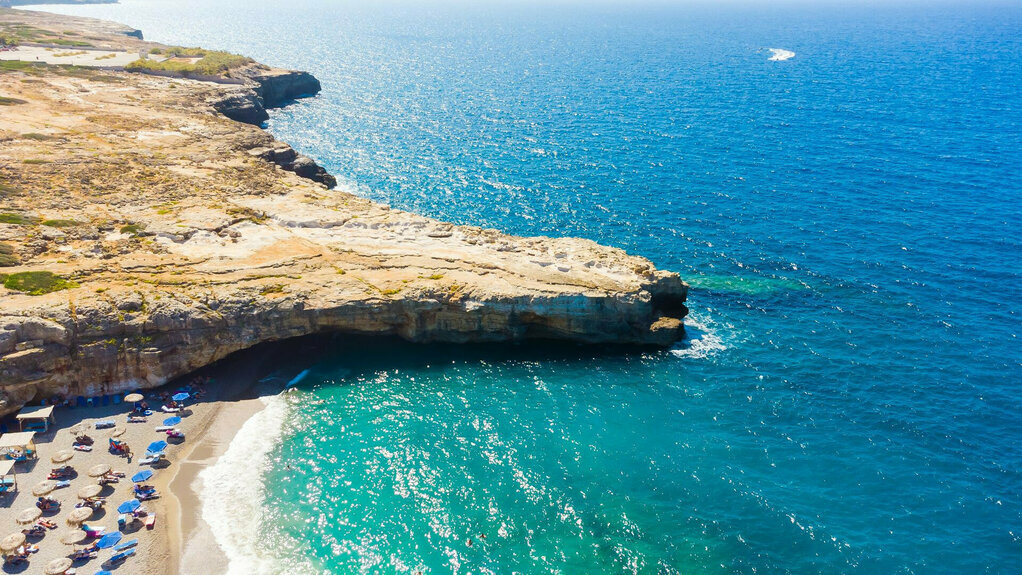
<point>7,257</point>
<point>15,65</point>
<point>60,223</point>
<point>132,229</point>
<point>272,289</point>
<point>62,42</point>
<point>38,137</point>
<point>37,283</point>
<point>211,63</point>
<point>5,101</point>
<point>17,219</point>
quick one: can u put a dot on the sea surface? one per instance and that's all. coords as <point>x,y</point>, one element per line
<point>850,398</point>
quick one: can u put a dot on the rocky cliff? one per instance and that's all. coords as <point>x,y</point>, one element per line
<point>143,234</point>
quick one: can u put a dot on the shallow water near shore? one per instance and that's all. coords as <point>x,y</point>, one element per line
<point>848,219</point>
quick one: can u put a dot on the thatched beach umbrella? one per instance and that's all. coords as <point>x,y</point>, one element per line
<point>89,491</point>
<point>62,455</point>
<point>133,397</point>
<point>118,431</point>
<point>78,515</point>
<point>76,537</point>
<point>29,515</point>
<point>44,487</point>
<point>79,428</point>
<point>58,566</point>
<point>12,542</point>
<point>99,470</point>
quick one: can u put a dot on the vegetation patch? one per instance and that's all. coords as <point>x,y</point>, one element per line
<point>17,219</point>
<point>247,214</point>
<point>5,101</point>
<point>15,65</point>
<point>272,289</point>
<point>36,283</point>
<point>131,229</point>
<point>38,137</point>
<point>60,223</point>
<point>181,61</point>
<point>7,257</point>
<point>35,161</point>
<point>63,42</point>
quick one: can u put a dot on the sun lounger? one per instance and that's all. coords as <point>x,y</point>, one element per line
<point>150,521</point>
<point>164,427</point>
<point>105,424</point>
<point>167,409</point>
<point>125,546</point>
<point>122,556</point>
<point>80,447</point>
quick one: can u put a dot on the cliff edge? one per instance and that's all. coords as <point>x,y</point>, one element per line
<point>144,234</point>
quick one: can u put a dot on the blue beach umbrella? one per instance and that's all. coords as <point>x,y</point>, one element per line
<point>157,446</point>
<point>142,475</point>
<point>179,396</point>
<point>129,506</point>
<point>172,420</point>
<point>109,540</point>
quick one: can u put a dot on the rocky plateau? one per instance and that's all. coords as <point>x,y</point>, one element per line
<point>163,230</point>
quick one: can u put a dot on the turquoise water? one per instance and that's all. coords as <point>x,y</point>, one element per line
<point>848,219</point>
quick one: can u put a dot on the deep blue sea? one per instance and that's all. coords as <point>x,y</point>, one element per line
<point>849,220</point>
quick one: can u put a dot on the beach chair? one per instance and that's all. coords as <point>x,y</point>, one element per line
<point>93,531</point>
<point>125,546</point>
<point>150,521</point>
<point>164,427</point>
<point>105,424</point>
<point>121,556</point>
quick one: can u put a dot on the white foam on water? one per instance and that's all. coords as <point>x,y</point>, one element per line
<point>780,55</point>
<point>701,340</point>
<point>233,494</point>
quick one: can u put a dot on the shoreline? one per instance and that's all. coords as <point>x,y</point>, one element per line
<point>193,543</point>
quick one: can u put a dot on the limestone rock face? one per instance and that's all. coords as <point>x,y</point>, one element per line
<point>277,88</point>
<point>182,236</point>
<point>242,106</point>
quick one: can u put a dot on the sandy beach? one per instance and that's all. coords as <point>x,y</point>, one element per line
<point>180,542</point>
